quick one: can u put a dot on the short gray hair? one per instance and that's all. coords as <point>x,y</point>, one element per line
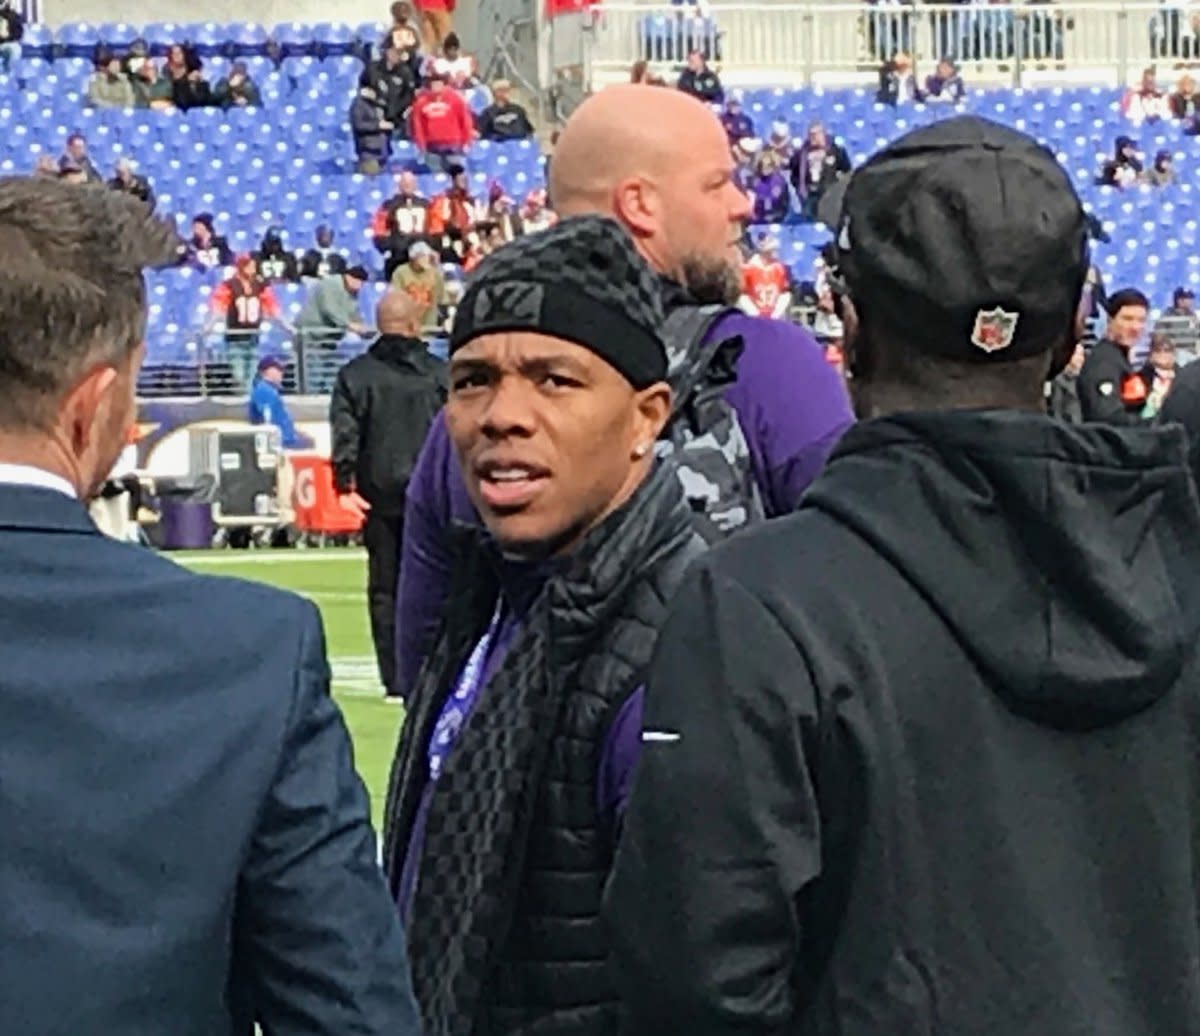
<point>71,287</point>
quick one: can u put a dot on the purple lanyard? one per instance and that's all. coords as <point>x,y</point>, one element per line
<point>462,700</point>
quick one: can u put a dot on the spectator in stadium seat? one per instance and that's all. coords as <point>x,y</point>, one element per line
<point>400,221</point>
<point>689,231</point>
<point>421,279</point>
<point>442,125</point>
<point>76,157</point>
<point>745,155</point>
<point>779,143</point>
<point>1184,102</point>
<point>458,69</point>
<point>189,88</point>
<point>12,31</point>
<point>738,125</point>
<point>241,304</point>
<point>504,119</point>
<point>395,85</point>
<point>897,84</point>
<point>202,703</point>
<point>1162,172</point>
<point>516,742</point>
<point>945,86</point>
<point>816,165</point>
<point>151,88</point>
<point>536,214</point>
<point>1180,320</point>
<point>766,283</point>
<point>1147,101</point>
<point>437,22</point>
<point>1062,400</point>
<point>1158,373</point>
<point>1109,389</point>
<point>502,214</point>
<point>46,168</point>
<point>772,199</point>
<point>701,81</point>
<point>330,312</point>
<point>237,90</point>
<point>452,215</point>
<point>207,250</point>
<point>372,131</point>
<point>276,264</point>
<point>379,413</point>
<point>136,56</point>
<point>267,405</point>
<point>403,35</point>
<point>814,890</point>
<point>323,259</point>
<point>125,179</point>
<point>109,87</point>
<point>1124,169</point>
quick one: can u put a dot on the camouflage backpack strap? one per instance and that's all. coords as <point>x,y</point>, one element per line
<point>705,437</point>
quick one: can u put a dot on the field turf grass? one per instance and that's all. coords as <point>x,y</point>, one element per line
<point>335,579</point>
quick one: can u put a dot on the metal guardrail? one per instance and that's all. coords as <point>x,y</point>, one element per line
<point>225,364</point>
<point>184,363</point>
<point>794,42</point>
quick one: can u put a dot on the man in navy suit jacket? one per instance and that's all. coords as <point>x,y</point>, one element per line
<point>185,843</point>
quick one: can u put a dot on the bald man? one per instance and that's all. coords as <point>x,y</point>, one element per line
<point>658,161</point>
<point>382,406</point>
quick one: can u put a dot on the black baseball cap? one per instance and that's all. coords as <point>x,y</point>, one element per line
<point>968,238</point>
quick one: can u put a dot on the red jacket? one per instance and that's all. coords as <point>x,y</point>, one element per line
<point>442,121</point>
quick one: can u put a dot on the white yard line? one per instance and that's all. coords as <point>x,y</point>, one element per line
<point>265,557</point>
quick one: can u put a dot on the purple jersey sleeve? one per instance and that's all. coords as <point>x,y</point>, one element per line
<point>436,497</point>
<point>792,404</point>
<point>622,747</point>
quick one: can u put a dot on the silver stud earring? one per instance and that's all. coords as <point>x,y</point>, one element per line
<point>641,451</point>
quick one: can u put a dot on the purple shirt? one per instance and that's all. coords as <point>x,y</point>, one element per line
<point>792,406</point>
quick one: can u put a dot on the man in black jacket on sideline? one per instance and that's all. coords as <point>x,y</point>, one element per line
<point>382,405</point>
<point>1110,390</point>
<point>921,757</point>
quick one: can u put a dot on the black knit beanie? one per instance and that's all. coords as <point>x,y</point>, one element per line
<point>580,280</point>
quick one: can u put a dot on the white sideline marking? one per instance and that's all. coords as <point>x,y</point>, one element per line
<point>264,557</point>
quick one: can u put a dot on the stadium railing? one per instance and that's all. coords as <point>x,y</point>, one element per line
<point>185,363</point>
<point>792,43</point>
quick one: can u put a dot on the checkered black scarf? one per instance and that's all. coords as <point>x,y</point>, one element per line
<point>480,814</point>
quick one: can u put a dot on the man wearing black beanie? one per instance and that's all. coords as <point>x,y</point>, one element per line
<point>513,767</point>
<point>921,757</point>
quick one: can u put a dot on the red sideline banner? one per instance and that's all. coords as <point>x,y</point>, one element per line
<point>556,7</point>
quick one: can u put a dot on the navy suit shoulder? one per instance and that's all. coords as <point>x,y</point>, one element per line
<point>187,843</point>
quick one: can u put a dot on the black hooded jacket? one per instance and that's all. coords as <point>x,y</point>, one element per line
<point>924,757</point>
<point>382,405</point>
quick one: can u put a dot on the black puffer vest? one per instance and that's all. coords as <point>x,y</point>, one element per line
<point>504,933</point>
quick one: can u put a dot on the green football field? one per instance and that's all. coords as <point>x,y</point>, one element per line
<point>335,580</point>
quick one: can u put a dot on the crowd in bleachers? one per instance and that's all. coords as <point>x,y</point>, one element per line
<point>249,137</point>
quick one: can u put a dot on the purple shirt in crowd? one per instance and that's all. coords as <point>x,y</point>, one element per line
<point>793,408</point>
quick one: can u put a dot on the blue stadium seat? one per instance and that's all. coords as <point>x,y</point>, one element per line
<point>37,41</point>
<point>295,39</point>
<point>207,38</point>
<point>161,35</point>
<point>117,35</point>
<point>334,39</point>
<point>76,40</point>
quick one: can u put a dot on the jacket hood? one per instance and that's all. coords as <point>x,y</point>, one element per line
<point>1061,557</point>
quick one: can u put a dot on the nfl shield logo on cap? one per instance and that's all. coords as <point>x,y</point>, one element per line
<point>994,329</point>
